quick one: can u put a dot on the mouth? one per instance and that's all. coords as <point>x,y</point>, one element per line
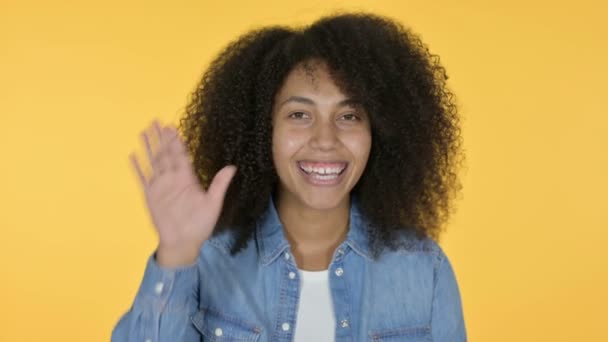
<point>323,172</point>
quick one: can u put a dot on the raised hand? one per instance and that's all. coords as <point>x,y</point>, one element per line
<point>183,213</point>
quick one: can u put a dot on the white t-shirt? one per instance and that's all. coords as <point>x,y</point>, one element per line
<point>315,320</point>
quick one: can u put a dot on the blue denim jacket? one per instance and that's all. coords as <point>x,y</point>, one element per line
<point>407,294</point>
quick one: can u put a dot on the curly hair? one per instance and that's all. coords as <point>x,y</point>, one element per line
<point>416,136</point>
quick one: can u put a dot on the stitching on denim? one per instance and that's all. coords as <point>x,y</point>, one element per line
<point>416,331</point>
<point>249,326</point>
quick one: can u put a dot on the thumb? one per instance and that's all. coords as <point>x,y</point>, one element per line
<point>219,184</point>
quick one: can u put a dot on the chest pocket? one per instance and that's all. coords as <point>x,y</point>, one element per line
<point>217,326</point>
<point>414,334</point>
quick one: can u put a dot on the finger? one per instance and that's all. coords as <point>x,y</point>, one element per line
<point>170,134</point>
<point>140,173</point>
<point>146,138</point>
<point>177,151</point>
<point>158,130</point>
<point>153,147</point>
<point>219,184</point>
<point>164,154</point>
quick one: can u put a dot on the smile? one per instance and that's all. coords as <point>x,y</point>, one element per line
<point>323,168</point>
<point>323,173</point>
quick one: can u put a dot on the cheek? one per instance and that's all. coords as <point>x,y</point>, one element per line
<point>285,144</point>
<point>360,146</point>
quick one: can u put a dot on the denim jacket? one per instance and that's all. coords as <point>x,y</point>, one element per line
<point>406,294</point>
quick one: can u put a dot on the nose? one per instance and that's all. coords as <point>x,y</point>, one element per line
<point>324,136</point>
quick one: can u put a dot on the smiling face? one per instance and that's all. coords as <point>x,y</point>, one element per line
<point>321,140</point>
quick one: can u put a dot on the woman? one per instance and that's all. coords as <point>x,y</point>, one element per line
<point>323,167</point>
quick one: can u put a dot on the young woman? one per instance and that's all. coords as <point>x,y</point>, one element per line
<point>304,201</point>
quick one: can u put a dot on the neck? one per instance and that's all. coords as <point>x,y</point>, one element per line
<point>313,234</point>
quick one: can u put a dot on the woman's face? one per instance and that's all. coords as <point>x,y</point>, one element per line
<point>320,141</point>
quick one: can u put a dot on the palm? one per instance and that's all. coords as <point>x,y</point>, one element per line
<point>183,213</point>
<point>176,199</point>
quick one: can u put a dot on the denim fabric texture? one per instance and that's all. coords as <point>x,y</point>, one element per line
<point>406,294</point>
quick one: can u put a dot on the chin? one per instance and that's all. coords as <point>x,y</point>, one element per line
<point>323,200</point>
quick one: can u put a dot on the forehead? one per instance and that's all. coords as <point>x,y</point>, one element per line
<point>310,78</point>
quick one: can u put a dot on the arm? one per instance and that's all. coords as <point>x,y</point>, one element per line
<point>166,299</point>
<point>447,316</point>
<point>184,215</point>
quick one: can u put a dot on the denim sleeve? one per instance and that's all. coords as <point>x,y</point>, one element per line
<point>161,311</point>
<point>447,316</point>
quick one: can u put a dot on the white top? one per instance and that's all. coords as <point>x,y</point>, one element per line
<point>315,320</point>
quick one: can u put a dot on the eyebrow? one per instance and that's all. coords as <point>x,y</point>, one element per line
<point>306,100</point>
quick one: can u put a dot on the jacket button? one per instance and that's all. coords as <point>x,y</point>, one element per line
<point>339,271</point>
<point>158,288</point>
<point>344,323</point>
<point>218,332</point>
<point>285,326</point>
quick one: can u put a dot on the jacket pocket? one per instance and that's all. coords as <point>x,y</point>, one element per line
<point>218,326</point>
<point>409,334</point>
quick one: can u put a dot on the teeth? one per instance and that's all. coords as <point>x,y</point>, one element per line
<point>322,170</point>
<point>324,177</point>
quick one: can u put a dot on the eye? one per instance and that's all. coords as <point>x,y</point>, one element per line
<point>350,117</point>
<point>298,115</point>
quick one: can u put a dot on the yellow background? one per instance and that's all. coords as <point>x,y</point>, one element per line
<point>78,81</point>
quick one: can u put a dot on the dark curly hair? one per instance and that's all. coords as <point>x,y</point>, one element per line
<point>411,177</point>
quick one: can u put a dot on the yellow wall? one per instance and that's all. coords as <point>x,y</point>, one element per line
<point>79,81</point>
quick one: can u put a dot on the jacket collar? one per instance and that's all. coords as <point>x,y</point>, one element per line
<point>272,242</point>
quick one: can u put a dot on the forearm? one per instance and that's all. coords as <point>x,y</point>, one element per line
<point>161,311</point>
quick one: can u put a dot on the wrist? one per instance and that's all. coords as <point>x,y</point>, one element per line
<point>173,258</point>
